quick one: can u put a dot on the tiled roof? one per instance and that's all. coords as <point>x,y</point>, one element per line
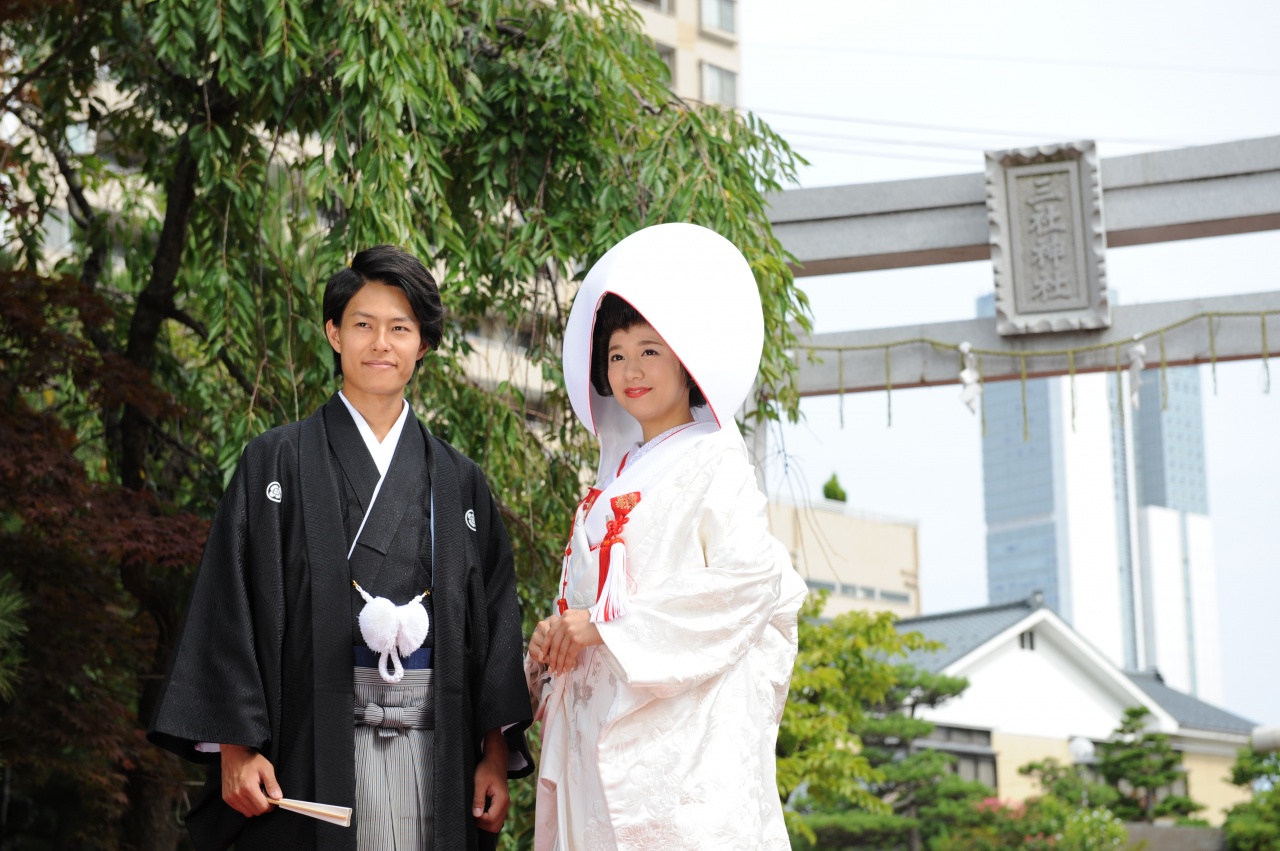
<point>1189,711</point>
<point>964,631</point>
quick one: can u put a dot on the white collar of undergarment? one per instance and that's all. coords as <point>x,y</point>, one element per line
<point>650,464</point>
<point>639,451</point>
<point>383,450</point>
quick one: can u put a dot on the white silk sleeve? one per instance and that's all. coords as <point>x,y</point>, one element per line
<point>699,621</point>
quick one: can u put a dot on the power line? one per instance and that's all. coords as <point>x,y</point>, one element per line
<point>879,140</point>
<point>974,131</point>
<point>863,152</point>
<point>1025,60</point>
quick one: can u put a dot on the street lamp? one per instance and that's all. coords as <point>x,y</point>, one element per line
<point>1081,749</point>
<point>1082,752</point>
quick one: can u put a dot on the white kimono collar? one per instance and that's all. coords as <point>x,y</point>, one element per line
<point>641,476</point>
<point>382,451</point>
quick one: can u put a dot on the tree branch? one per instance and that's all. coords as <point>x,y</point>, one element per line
<point>65,43</point>
<point>87,220</point>
<point>178,444</point>
<point>154,305</point>
<point>521,526</point>
<point>649,107</point>
<point>179,315</point>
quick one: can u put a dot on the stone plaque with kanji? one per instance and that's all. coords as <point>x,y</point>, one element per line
<point>1047,239</point>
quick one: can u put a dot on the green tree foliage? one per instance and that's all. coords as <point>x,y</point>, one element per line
<point>831,490</point>
<point>1093,829</point>
<point>1138,764</point>
<point>844,667</point>
<point>1255,824</point>
<point>918,785</point>
<point>1032,825</point>
<point>213,162</point>
<point>1069,783</point>
<point>1040,824</point>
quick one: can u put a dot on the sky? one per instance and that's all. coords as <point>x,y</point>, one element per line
<point>873,90</point>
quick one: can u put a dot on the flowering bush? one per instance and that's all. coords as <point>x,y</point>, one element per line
<point>1092,830</point>
<point>1040,824</point>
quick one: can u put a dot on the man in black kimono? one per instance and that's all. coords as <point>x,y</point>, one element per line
<point>264,681</point>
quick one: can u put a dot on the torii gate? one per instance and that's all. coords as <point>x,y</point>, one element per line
<point>1211,190</point>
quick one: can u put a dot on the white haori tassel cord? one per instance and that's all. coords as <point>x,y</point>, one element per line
<point>392,631</point>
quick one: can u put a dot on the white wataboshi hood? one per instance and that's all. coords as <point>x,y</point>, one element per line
<point>697,290</point>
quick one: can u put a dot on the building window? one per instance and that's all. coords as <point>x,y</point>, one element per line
<point>974,767</point>
<point>1027,640</point>
<point>666,7</point>
<point>961,736</point>
<point>895,597</point>
<point>719,15</point>
<point>820,585</point>
<point>719,85</point>
<point>971,750</point>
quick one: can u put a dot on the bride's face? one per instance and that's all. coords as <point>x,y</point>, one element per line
<point>648,380</point>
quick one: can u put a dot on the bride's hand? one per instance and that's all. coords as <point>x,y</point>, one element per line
<point>566,637</point>
<point>538,641</point>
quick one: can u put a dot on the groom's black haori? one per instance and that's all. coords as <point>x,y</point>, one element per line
<point>265,658</point>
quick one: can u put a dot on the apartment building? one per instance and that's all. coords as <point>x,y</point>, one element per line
<point>699,41</point>
<point>865,562</point>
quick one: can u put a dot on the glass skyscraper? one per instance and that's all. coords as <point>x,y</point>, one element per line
<point>1169,461</point>
<point>1104,509</point>
<point>1018,478</point>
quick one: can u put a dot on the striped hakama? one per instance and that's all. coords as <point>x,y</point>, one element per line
<point>394,744</point>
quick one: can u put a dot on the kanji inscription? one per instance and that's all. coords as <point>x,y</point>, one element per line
<point>1047,239</point>
<point>1047,261</point>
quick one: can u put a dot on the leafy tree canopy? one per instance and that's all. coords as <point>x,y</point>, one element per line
<point>922,796</point>
<point>1139,763</point>
<point>1255,824</point>
<point>1069,783</point>
<point>831,490</point>
<point>184,177</point>
<point>844,668</point>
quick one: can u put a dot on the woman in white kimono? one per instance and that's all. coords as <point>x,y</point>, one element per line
<point>663,673</point>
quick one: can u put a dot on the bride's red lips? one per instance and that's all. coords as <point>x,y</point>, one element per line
<point>635,392</point>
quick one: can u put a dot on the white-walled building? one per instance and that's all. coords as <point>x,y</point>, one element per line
<point>1035,684</point>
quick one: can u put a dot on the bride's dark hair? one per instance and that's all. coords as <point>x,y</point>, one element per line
<point>616,314</point>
